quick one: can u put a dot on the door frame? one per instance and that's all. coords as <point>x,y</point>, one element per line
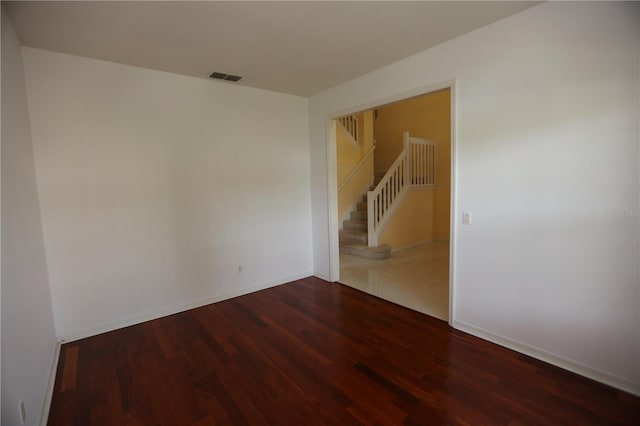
<point>332,179</point>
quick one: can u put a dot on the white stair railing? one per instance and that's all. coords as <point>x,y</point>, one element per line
<point>414,167</point>
<point>350,125</point>
<point>380,200</point>
<point>422,154</point>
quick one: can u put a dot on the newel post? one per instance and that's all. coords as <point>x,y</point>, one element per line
<point>372,240</point>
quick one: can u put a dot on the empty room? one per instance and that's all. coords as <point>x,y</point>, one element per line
<point>173,233</point>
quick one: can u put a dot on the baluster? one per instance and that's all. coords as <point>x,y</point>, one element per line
<point>388,199</point>
<point>414,165</point>
<point>422,165</point>
<point>418,164</point>
<point>430,164</point>
<point>395,181</point>
<point>427,175</point>
<point>425,166</point>
<point>374,216</point>
<point>355,129</point>
<point>425,171</point>
<point>433,164</point>
<point>425,163</point>
<point>384,199</point>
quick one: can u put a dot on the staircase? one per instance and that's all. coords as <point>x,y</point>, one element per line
<point>354,235</point>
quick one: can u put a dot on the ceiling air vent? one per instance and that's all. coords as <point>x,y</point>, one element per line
<point>223,76</point>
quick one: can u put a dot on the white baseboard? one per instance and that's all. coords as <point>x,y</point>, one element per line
<point>410,246</point>
<point>322,276</point>
<point>48,396</point>
<point>557,360</point>
<point>166,312</point>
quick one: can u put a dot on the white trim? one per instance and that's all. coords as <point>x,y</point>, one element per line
<point>321,276</point>
<point>453,203</point>
<point>402,96</point>
<point>557,360</point>
<point>48,396</point>
<point>332,200</point>
<point>166,312</point>
<point>332,166</point>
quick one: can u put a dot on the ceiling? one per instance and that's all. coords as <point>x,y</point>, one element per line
<point>300,47</point>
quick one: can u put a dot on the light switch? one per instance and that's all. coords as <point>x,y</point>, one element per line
<point>466,218</point>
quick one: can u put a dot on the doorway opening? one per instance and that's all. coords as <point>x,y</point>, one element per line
<point>394,179</point>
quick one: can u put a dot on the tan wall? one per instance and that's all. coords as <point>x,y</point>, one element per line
<point>349,156</point>
<point>348,153</point>
<point>427,117</point>
<point>412,222</point>
<point>365,122</point>
<point>354,188</point>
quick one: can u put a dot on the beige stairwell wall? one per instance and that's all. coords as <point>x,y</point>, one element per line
<point>428,117</point>
<point>349,156</point>
<point>412,223</point>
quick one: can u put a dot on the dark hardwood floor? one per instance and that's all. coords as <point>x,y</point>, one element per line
<point>314,353</point>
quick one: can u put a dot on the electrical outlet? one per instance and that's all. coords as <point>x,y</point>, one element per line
<point>22,411</point>
<point>466,218</point>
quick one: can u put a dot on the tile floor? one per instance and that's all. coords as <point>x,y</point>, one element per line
<point>417,278</point>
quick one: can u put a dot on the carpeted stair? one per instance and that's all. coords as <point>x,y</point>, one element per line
<point>354,238</point>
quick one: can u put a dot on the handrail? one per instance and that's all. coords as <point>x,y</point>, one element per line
<point>356,168</point>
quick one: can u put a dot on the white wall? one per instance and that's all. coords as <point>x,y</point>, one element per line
<point>546,125</point>
<point>28,335</point>
<point>155,187</point>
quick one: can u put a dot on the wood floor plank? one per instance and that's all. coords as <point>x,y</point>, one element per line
<point>70,371</point>
<point>314,353</point>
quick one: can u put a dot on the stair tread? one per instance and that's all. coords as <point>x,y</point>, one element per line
<point>361,250</point>
<point>358,215</point>
<point>355,225</point>
<point>353,236</point>
<point>353,231</point>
